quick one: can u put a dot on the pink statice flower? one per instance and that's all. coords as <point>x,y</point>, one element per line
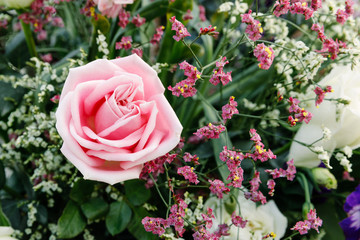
<point>179,28</point>
<point>191,158</point>
<point>202,15</point>
<point>253,28</point>
<point>271,186</point>
<point>223,230</point>
<point>210,131</point>
<point>218,188</point>
<point>265,55</point>
<point>320,30</point>
<point>123,18</point>
<point>125,43</point>
<point>186,88</point>
<point>138,21</point>
<point>55,99</point>
<point>47,57</point>
<point>349,7</point>
<point>157,36</point>
<point>155,167</point>
<point>316,4</point>
<point>281,7</point>
<point>229,109</point>
<point>211,31</point>
<point>219,75</point>
<point>137,51</point>
<point>299,114</point>
<point>208,218</point>
<point>259,153</point>
<point>312,222</point>
<point>155,225</point>
<point>321,93</point>
<point>341,16</point>
<point>238,221</point>
<point>188,15</point>
<point>190,71</point>
<point>188,173</point>
<point>302,8</point>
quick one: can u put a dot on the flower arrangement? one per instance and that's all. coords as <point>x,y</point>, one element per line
<point>179,119</point>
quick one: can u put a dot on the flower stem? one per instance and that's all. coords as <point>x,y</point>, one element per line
<point>157,189</point>
<point>29,38</point>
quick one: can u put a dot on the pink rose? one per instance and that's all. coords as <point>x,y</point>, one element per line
<point>111,8</point>
<point>113,117</point>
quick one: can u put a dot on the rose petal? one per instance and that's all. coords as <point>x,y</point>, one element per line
<point>100,69</point>
<point>63,121</point>
<point>110,172</point>
<point>134,64</point>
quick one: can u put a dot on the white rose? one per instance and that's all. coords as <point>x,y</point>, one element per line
<point>5,233</point>
<point>262,220</point>
<point>342,120</point>
<point>16,3</point>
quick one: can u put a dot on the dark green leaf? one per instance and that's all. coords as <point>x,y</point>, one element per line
<point>82,190</point>
<point>72,222</point>
<point>42,214</point>
<point>2,175</point>
<point>136,192</point>
<point>330,221</point>
<point>118,217</point>
<point>95,208</point>
<point>4,221</point>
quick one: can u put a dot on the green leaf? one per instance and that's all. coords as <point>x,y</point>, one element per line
<point>95,208</point>
<point>219,143</point>
<point>72,222</point>
<point>118,217</point>
<point>2,175</point>
<point>82,190</point>
<point>136,192</point>
<point>4,221</point>
<point>330,220</point>
<point>136,228</point>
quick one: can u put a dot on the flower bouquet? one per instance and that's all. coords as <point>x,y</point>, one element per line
<point>179,119</point>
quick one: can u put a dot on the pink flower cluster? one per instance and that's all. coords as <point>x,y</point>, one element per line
<point>321,93</point>
<point>137,51</point>
<point>39,16</point>
<point>233,161</point>
<point>217,187</point>
<point>330,46</point>
<point>138,21</point>
<point>238,221</point>
<point>210,131</point>
<point>229,109</point>
<point>155,167</point>
<point>296,7</point>
<point>211,31</point>
<point>186,87</point>
<point>191,158</point>
<point>123,18</point>
<point>289,173</point>
<point>219,75</point>
<point>125,43</point>
<point>343,15</point>
<point>259,152</point>
<point>202,15</point>
<point>253,29</point>
<point>179,28</point>
<point>188,173</point>
<point>157,36</point>
<point>265,55</point>
<point>312,222</point>
<point>188,15</point>
<point>299,114</point>
<point>158,225</point>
